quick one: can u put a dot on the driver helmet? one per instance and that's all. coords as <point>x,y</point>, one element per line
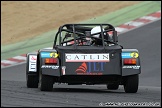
<point>97,29</point>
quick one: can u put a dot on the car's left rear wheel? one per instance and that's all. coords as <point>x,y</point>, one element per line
<point>32,81</point>
<point>45,82</point>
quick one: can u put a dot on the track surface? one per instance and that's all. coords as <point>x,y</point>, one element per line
<point>147,39</point>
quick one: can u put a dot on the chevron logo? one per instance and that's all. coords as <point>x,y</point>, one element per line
<point>82,68</point>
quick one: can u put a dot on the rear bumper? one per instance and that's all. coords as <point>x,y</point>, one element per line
<point>89,79</point>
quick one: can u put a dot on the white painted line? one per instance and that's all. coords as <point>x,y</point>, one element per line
<point>2,66</point>
<point>149,18</point>
<point>119,29</point>
<point>20,57</point>
<point>140,26</point>
<point>12,65</point>
<point>134,23</point>
<point>8,62</point>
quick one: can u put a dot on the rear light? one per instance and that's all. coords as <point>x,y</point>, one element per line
<point>129,61</point>
<point>51,61</point>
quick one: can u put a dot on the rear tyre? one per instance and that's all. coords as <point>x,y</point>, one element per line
<point>32,81</point>
<point>131,83</point>
<point>45,82</point>
<point>112,86</point>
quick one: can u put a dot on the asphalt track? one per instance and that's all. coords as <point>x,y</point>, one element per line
<point>147,39</point>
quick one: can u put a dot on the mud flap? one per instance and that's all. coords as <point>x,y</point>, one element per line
<point>31,71</point>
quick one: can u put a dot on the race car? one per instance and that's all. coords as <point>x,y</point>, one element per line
<point>84,54</point>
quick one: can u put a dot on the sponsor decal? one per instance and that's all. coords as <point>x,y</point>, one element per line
<point>32,63</point>
<point>101,57</point>
<point>45,54</point>
<point>50,66</point>
<point>53,55</point>
<point>63,70</point>
<point>132,67</point>
<point>82,68</point>
<point>134,54</point>
<point>91,68</point>
<point>126,55</point>
<point>130,55</point>
<point>32,58</point>
<point>49,55</point>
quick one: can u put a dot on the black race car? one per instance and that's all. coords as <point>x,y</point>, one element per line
<point>81,56</point>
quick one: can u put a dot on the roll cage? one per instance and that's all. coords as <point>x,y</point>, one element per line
<point>80,32</point>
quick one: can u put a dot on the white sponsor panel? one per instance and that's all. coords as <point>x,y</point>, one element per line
<point>101,57</point>
<point>130,67</point>
<point>32,67</point>
<point>50,66</point>
<point>32,63</point>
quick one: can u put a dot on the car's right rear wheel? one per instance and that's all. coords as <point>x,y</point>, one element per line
<point>131,83</point>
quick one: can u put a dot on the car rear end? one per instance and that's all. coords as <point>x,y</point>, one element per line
<point>90,64</point>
